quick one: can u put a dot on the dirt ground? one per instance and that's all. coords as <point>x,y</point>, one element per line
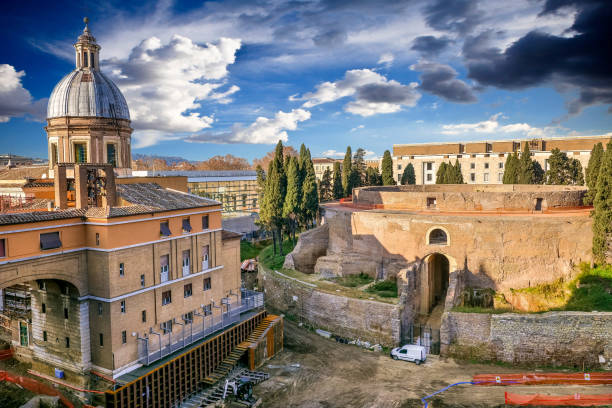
<point>315,372</point>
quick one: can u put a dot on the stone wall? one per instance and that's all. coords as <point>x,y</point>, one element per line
<point>376,322</point>
<point>311,245</point>
<point>569,339</point>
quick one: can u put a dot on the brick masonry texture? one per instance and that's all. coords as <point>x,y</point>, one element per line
<point>346,317</point>
<point>569,339</point>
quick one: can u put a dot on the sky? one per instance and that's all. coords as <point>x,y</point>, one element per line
<point>209,78</point>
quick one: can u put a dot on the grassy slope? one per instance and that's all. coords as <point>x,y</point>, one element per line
<point>249,250</point>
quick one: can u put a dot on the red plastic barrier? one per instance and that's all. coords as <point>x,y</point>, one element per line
<point>4,354</point>
<point>544,378</point>
<point>34,386</point>
<point>575,400</point>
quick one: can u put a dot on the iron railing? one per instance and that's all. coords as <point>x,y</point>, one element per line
<point>158,345</point>
<point>424,336</point>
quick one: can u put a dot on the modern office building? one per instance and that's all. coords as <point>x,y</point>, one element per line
<point>483,162</point>
<point>108,274</point>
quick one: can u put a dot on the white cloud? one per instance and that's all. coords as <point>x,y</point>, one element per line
<point>332,153</point>
<point>492,125</point>
<point>165,83</point>
<point>386,59</point>
<point>263,130</point>
<point>357,128</point>
<point>15,100</point>
<point>373,93</point>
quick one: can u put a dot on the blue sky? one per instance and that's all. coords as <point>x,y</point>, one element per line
<point>211,78</point>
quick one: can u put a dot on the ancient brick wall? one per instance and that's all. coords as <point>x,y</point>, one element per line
<point>343,316</point>
<point>569,339</point>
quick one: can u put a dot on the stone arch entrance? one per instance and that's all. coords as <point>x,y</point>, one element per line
<point>435,270</point>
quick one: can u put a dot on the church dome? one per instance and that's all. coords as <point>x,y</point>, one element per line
<point>87,92</point>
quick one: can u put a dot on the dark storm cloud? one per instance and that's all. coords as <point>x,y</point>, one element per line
<point>460,16</point>
<point>385,93</point>
<point>430,45</point>
<point>441,80</point>
<point>330,38</point>
<point>582,60</point>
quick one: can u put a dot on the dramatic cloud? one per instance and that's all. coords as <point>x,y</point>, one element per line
<point>429,45</point>
<point>373,93</point>
<point>441,80</point>
<point>164,83</point>
<point>15,100</point>
<point>491,126</point>
<point>263,130</point>
<point>386,59</point>
<point>580,61</point>
<point>459,16</point>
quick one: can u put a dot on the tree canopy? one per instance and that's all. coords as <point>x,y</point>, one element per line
<point>592,173</point>
<point>387,169</point>
<point>408,176</point>
<point>337,189</point>
<point>563,170</point>
<point>602,211</point>
<point>347,173</point>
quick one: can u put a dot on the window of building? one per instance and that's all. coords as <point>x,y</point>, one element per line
<point>205,263</point>
<point>142,281</point>
<point>429,166</point>
<point>123,337</point>
<point>166,297</point>
<point>67,342</point>
<point>500,177</point>
<point>144,316</point>
<point>44,335</point>
<point>186,262</point>
<point>485,177</point>
<point>166,327</point>
<point>431,202</point>
<point>65,313</point>
<point>2,247</point>
<point>54,156</point>
<point>472,177</point>
<point>207,284</point>
<point>188,317</point>
<point>399,166</point>
<point>101,339</point>
<point>100,309</point>
<point>429,177</point>
<point>164,261</point>
<point>187,290</point>
<point>438,237</point>
<point>97,239</point>
<point>205,222</point>
<point>80,153</point>
<point>164,229</point>
<point>186,225</point>
<point>42,285</point>
<point>500,165</point>
<point>111,154</point>
<point>207,310</point>
<point>50,240</point>
<point>486,165</point>
<point>43,308</point>
<point>538,206</point>
<point>123,306</point>
<point>121,269</point>
<point>472,165</point>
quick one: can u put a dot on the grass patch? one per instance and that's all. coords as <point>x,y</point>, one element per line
<point>385,288</point>
<point>249,250</point>
<point>477,309</point>
<point>352,281</point>
<point>275,262</point>
<point>591,290</point>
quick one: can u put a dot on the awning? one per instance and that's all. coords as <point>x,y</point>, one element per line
<point>50,240</point>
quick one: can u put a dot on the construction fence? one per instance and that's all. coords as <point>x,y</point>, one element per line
<point>35,386</point>
<point>574,400</point>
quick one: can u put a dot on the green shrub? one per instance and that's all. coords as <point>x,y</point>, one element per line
<point>353,281</point>
<point>385,288</point>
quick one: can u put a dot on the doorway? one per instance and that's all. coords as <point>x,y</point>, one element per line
<point>434,282</point>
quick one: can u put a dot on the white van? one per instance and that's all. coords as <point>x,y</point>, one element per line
<point>410,352</point>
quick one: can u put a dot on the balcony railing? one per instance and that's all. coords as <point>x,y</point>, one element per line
<point>157,345</point>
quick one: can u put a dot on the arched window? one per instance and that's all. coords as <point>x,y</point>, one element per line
<point>438,237</point>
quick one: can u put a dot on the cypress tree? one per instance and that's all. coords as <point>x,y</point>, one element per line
<point>538,173</point>
<point>276,189</point>
<point>525,173</point>
<point>347,173</point>
<point>302,164</point>
<point>310,199</point>
<point>387,169</point>
<point>441,174</point>
<point>458,175</point>
<point>408,176</point>
<point>325,186</point>
<point>359,168</point>
<point>602,212</point>
<point>291,206</point>
<point>592,172</point>
<point>575,170</point>
<point>511,169</point>
<point>337,189</point>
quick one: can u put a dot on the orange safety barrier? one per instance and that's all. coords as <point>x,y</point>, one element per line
<point>544,378</point>
<point>34,386</point>
<point>4,354</point>
<point>575,400</point>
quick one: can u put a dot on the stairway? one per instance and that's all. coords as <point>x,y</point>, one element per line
<point>212,395</point>
<point>228,364</point>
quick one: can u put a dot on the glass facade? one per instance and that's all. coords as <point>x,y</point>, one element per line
<point>235,195</point>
